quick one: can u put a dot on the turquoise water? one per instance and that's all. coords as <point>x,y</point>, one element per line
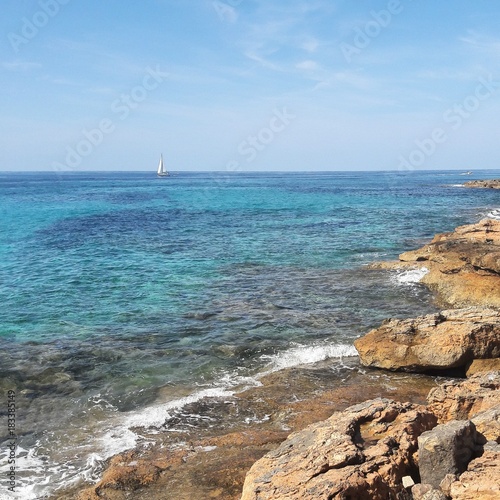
<point>114,286</point>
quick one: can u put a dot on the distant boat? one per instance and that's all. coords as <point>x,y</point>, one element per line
<point>466,173</point>
<point>161,172</point>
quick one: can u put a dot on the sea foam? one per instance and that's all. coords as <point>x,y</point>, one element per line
<point>409,276</point>
<point>302,355</point>
<point>494,214</point>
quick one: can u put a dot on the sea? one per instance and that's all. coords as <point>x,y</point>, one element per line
<point>125,297</point>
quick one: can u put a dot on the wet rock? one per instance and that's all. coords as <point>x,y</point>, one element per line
<point>446,340</point>
<point>361,453</point>
<point>446,449</point>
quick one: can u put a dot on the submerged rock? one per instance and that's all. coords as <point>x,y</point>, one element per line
<point>446,340</point>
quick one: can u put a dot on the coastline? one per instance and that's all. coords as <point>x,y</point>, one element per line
<point>215,464</point>
<point>446,448</point>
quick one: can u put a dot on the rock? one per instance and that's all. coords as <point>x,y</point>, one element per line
<point>481,481</point>
<point>407,481</point>
<point>434,494</point>
<point>463,266</point>
<point>361,453</point>
<point>488,423</point>
<point>446,340</point>
<point>427,492</point>
<point>482,366</point>
<point>446,449</point>
<point>446,483</point>
<point>465,399</point>
<point>490,183</point>
<point>421,489</point>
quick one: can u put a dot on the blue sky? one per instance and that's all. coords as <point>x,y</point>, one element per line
<point>249,85</point>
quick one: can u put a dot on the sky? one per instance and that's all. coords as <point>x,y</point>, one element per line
<point>249,85</point>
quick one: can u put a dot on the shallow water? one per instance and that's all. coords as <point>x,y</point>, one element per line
<point>124,297</point>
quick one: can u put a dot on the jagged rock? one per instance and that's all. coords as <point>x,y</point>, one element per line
<point>445,484</point>
<point>421,489</point>
<point>449,339</point>
<point>360,453</point>
<point>463,266</point>
<point>446,449</point>
<point>490,183</point>
<point>483,366</point>
<point>481,481</point>
<point>465,399</point>
<point>488,423</point>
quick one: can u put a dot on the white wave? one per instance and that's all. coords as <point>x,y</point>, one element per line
<point>494,214</point>
<point>155,416</point>
<point>409,276</point>
<point>123,431</point>
<point>303,355</point>
<point>457,185</point>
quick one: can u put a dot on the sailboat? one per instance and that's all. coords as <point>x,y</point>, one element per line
<point>161,172</point>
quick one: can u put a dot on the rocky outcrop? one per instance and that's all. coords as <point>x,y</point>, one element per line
<point>446,340</point>
<point>463,266</point>
<point>482,366</point>
<point>369,450</point>
<point>491,184</point>
<point>465,399</point>
<point>446,449</point>
<point>481,480</point>
<point>361,453</point>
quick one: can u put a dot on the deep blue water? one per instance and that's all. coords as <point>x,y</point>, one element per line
<point>114,286</point>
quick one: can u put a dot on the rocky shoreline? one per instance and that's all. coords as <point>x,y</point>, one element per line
<point>382,435</point>
<point>448,448</point>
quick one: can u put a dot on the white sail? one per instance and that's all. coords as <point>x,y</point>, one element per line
<point>161,169</point>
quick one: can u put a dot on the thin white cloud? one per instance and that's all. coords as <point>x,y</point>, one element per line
<point>310,45</point>
<point>307,65</point>
<point>482,42</point>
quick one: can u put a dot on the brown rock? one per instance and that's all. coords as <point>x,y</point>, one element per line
<point>483,366</point>
<point>465,399</point>
<point>360,453</point>
<point>481,481</point>
<point>490,183</point>
<point>449,339</point>
<point>488,423</point>
<point>463,266</point>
